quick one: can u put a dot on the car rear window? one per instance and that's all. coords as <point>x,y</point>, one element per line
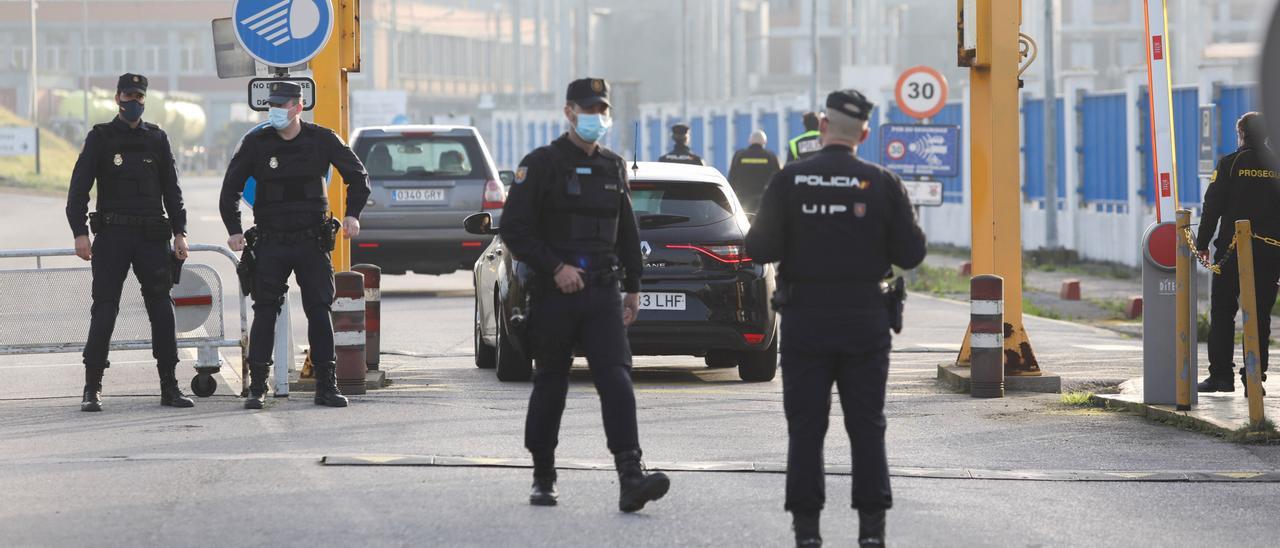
<point>670,204</point>
<point>421,157</point>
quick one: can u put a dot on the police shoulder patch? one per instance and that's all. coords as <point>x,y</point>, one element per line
<point>522,173</point>
<point>1214,178</point>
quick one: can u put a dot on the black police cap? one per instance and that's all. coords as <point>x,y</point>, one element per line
<point>283,92</point>
<point>680,129</point>
<point>850,102</point>
<point>588,91</point>
<point>132,83</point>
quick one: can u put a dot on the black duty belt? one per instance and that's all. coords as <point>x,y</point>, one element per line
<point>604,276</point>
<point>120,219</point>
<point>838,294</point>
<point>321,231</point>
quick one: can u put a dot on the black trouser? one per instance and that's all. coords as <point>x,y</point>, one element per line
<point>1225,302</point>
<point>593,318</point>
<point>115,249</point>
<point>850,348</point>
<point>314,272</point>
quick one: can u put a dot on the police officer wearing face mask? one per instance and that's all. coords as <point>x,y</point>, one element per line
<point>137,184</point>
<point>569,217</point>
<point>290,161</point>
<point>1246,185</point>
<point>680,152</point>
<point>836,224</point>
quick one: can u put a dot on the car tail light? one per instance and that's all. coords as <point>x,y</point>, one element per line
<point>472,244</point>
<point>727,254</point>
<point>367,244</point>
<point>494,195</point>
<point>753,338</point>
<point>418,134</point>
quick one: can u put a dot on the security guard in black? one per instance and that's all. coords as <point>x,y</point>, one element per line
<point>569,216</point>
<point>290,161</point>
<point>1246,185</point>
<point>133,165</point>
<point>680,151</point>
<point>836,224</point>
<point>751,170</point>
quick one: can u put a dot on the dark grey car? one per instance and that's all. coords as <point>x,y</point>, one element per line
<point>425,180</point>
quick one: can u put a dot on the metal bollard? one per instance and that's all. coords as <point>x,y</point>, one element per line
<point>986,341</point>
<point>1249,312</point>
<point>1182,339</point>
<point>348,331</point>
<point>372,313</point>
<point>283,349</point>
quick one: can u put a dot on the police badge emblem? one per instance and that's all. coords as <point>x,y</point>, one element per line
<point>597,86</point>
<point>118,160</point>
<point>521,173</point>
<point>273,163</point>
<point>860,210</point>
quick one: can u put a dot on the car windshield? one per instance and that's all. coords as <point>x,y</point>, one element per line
<point>669,204</point>
<point>419,157</point>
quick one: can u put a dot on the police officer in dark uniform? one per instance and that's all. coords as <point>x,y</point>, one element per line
<point>836,224</point>
<point>680,152</point>
<point>137,184</point>
<point>1246,185</point>
<point>569,217</point>
<point>751,170</point>
<point>806,144</point>
<point>290,161</point>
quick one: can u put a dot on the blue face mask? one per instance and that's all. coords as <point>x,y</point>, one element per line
<point>593,127</point>
<point>278,117</point>
<point>131,111</point>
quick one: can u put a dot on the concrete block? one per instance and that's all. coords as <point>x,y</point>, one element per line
<point>373,380</point>
<point>958,379</point>
<point>966,269</point>
<point>1070,290</point>
<point>1133,309</point>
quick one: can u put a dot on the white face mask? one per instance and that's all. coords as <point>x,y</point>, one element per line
<point>278,117</point>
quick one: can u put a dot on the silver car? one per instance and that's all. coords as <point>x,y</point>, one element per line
<point>425,180</point>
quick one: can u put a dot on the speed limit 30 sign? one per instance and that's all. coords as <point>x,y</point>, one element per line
<point>921,92</point>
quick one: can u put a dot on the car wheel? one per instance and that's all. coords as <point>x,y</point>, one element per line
<point>486,355</point>
<point>759,366</point>
<point>719,359</point>
<point>512,365</point>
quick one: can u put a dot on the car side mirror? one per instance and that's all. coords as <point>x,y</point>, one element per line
<point>480,224</point>
<point>508,178</point>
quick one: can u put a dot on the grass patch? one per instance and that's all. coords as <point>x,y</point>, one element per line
<point>1033,309</point>
<point>1078,399</point>
<point>1263,433</point>
<point>1116,308</point>
<point>57,158</point>
<point>937,281</point>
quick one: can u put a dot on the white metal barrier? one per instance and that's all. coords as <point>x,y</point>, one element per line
<point>41,312</point>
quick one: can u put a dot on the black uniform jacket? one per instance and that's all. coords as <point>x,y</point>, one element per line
<point>1246,185</point>
<point>153,159</point>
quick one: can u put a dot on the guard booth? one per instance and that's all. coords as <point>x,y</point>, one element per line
<point>45,311</point>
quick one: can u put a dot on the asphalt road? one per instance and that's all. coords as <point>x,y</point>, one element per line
<point>139,474</point>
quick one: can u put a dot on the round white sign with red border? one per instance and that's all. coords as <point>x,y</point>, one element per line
<point>921,92</point>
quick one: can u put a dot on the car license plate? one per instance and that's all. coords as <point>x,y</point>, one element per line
<point>417,195</point>
<point>662,301</point>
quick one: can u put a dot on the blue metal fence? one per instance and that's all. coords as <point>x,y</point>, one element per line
<point>721,148</point>
<point>653,129</point>
<point>743,125</point>
<point>1186,128</point>
<point>1033,157</point>
<point>1233,102</point>
<point>1104,150</point>
<point>697,138</point>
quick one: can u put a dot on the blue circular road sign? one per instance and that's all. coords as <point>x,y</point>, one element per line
<point>283,33</point>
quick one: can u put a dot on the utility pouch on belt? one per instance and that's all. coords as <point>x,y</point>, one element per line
<point>895,299</point>
<point>329,234</point>
<point>176,268</point>
<point>522,315</point>
<point>781,295</point>
<point>248,261</point>
<point>95,222</point>
<point>157,230</point>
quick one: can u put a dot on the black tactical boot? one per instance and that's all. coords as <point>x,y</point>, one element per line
<point>1244,379</point>
<point>170,394</point>
<point>544,489</point>
<point>871,528</point>
<point>92,400</point>
<point>258,373</point>
<point>327,385</point>
<point>1216,385</point>
<point>637,488</point>
<point>805,524</point>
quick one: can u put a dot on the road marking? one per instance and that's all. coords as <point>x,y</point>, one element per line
<point>1110,347</point>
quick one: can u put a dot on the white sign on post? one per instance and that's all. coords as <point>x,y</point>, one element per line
<point>921,92</point>
<point>260,90</point>
<point>924,193</point>
<point>17,141</point>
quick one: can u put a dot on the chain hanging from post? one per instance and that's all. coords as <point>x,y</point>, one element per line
<point>1216,268</point>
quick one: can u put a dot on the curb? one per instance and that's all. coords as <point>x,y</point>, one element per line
<point>1167,414</point>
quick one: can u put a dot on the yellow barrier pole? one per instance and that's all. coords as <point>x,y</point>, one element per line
<point>1249,308</point>
<point>1182,353</point>
<point>329,70</point>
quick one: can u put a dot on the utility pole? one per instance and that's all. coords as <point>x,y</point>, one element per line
<point>84,59</point>
<point>35,88</point>
<point>813,47</point>
<point>518,73</point>
<point>684,59</point>
<point>1050,134</point>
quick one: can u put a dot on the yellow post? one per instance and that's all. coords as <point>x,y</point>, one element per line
<point>1249,310</point>
<point>1182,353</point>
<point>997,198</point>
<point>329,70</point>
